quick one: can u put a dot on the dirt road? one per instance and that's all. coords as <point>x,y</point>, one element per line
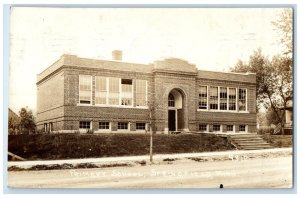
<point>185,173</point>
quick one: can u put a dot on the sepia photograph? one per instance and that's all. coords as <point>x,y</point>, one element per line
<point>150,98</point>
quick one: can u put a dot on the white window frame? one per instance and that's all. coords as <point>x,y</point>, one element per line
<point>121,92</point>
<point>207,97</point>
<point>85,128</point>
<point>140,123</point>
<point>227,107</point>
<point>207,127</point>
<point>246,128</point>
<point>218,102</point>
<point>216,125</point>
<point>128,126</point>
<point>91,94</point>
<point>246,100</point>
<point>236,99</point>
<point>107,91</point>
<point>146,94</point>
<point>109,125</point>
<point>232,127</point>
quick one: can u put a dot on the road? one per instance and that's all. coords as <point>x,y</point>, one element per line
<point>273,172</point>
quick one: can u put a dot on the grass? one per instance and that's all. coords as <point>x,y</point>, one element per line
<point>71,146</point>
<point>279,140</point>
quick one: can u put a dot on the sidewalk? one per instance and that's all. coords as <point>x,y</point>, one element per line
<point>158,157</point>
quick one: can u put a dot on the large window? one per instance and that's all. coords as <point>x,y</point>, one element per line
<point>126,94</point>
<point>100,90</point>
<point>141,93</point>
<point>232,99</point>
<point>122,125</point>
<point>203,97</point>
<point>213,103</point>
<point>85,89</point>
<point>242,99</point>
<point>84,124</point>
<point>223,98</point>
<point>104,125</point>
<point>113,96</point>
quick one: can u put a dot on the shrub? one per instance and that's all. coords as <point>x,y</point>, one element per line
<point>265,130</point>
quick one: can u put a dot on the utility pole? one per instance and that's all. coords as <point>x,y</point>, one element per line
<point>151,133</point>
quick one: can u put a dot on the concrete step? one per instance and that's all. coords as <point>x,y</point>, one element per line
<point>253,144</point>
<point>255,147</point>
<point>249,141</point>
<point>246,138</point>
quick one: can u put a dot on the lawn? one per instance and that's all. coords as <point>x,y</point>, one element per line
<point>70,146</point>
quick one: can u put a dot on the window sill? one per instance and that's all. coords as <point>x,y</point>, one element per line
<point>224,111</point>
<point>114,106</point>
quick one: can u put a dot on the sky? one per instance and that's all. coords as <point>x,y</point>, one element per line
<point>211,38</point>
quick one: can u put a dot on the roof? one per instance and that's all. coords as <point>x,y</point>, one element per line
<point>165,65</point>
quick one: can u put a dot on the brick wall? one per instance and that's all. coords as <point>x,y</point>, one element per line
<point>58,96</point>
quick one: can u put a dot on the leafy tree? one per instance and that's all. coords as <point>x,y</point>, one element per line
<point>274,81</point>
<point>27,122</point>
<point>13,122</point>
<point>284,25</point>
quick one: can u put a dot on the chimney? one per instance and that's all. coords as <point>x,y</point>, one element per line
<point>117,55</point>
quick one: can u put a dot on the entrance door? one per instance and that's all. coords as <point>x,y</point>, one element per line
<point>172,120</point>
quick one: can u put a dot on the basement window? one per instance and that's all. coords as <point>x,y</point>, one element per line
<point>104,125</point>
<point>242,128</point>
<point>84,125</point>
<point>140,126</point>
<point>202,127</point>
<point>230,128</point>
<point>216,127</point>
<point>122,125</point>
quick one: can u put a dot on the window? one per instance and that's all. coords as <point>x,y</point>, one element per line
<point>242,128</point>
<point>171,100</point>
<point>141,92</point>
<point>126,94</point>
<point>45,127</point>
<point>229,127</point>
<point>223,98</point>
<point>84,125</point>
<point>232,99</point>
<point>100,90</point>
<point>113,97</point>
<point>104,125</point>
<point>50,126</point>
<point>213,98</point>
<point>242,99</point>
<point>123,125</point>
<point>202,127</point>
<point>216,127</point>
<point>85,89</point>
<point>203,97</point>
<point>140,126</point>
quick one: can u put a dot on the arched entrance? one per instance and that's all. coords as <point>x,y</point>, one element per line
<point>176,110</point>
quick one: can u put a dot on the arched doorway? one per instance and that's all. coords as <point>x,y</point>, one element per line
<point>176,110</point>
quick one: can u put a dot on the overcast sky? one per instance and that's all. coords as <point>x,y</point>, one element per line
<point>211,38</point>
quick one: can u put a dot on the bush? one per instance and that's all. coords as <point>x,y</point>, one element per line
<point>265,130</point>
<point>68,146</point>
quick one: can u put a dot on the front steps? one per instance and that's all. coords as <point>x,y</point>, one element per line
<point>247,141</point>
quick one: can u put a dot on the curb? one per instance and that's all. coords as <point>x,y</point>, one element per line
<point>158,157</point>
